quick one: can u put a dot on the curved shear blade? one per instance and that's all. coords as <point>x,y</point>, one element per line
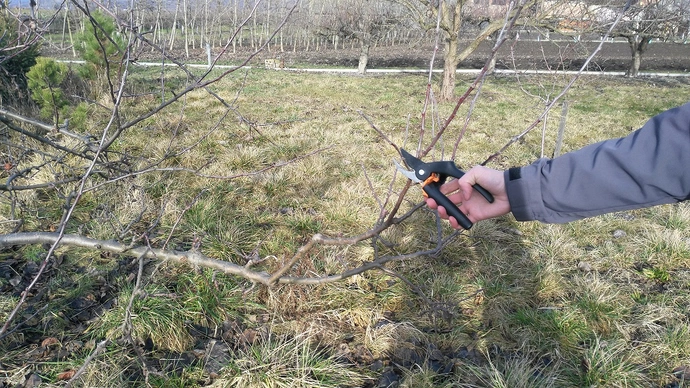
<point>409,174</point>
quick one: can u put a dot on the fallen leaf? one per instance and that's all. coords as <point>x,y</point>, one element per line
<point>249,336</point>
<point>66,375</point>
<point>49,342</point>
<point>15,281</point>
<point>584,266</point>
<point>479,298</point>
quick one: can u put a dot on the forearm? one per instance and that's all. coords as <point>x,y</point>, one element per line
<point>649,167</point>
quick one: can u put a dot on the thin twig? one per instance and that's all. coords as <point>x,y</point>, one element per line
<point>380,132</point>
<point>371,187</point>
<point>429,95</point>
<point>127,326</point>
<point>99,348</point>
<point>88,139</point>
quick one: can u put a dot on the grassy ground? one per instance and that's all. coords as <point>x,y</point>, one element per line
<point>599,302</point>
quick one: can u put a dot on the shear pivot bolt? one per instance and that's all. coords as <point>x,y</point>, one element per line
<point>421,172</point>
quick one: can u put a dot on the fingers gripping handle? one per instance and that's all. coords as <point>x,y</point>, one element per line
<point>486,194</point>
<point>446,169</point>
<point>434,191</point>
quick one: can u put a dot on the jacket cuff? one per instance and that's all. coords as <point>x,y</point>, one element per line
<point>524,193</point>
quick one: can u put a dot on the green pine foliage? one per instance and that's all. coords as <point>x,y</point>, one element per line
<point>44,80</point>
<point>98,45</point>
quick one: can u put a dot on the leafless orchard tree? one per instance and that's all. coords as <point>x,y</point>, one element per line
<point>363,21</point>
<point>453,17</point>
<point>42,159</point>
<point>643,22</point>
<point>651,20</point>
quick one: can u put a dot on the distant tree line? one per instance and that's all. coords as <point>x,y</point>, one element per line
<point>193,26</point>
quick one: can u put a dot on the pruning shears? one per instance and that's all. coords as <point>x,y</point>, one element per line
<point>434,174</point>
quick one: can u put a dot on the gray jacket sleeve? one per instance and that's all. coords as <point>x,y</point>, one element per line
<point>651,166</point>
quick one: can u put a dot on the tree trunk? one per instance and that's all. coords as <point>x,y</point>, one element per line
<point>252,32</point>
<point>205,31</point>
<point>157,26</point>
<point>363,58</point>
<point>193,32</point>
<point>451,59</point>
<point>186,29</point>
<point>267,25</point>
<point>174,26</point>
<point>234,28</point>
<point>638,45</point>
<point>282,47</point>
<point>69,31</point>
<point>64,27</point>
<point>451,22</point>
<point>141,22</point>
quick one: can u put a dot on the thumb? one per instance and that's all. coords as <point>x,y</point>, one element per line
<point>465,184</point>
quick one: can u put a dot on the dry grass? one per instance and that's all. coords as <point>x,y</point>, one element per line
<point>516,295</point>
<point>287,362</point>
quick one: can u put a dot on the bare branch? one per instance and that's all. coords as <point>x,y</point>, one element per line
<point>88,140</point>
<point>39,138</point>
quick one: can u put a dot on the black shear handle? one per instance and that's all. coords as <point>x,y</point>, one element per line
<point>434,191</point>
<point>448,168</point>
<point>487,195</point>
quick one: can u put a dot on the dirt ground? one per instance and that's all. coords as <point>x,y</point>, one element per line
<point>561,53</point>
<point>521,54</point>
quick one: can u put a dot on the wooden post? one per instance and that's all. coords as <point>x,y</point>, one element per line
<point>208,53</point>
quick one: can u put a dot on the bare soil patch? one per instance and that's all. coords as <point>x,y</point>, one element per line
<point>564,53</point>
<point>614,56</point>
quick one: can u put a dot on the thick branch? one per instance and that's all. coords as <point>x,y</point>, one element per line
<point>6,120</point>
<point>195,257</point>
<point>187,257</point>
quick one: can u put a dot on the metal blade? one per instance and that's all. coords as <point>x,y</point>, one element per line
<point>409,174</point>
<point>410,160</point>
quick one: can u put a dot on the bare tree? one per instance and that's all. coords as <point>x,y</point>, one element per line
<point>87,162</point>
<point>651,20</point>
<point>89,165</point>
<point>450,17</point>
<point>80,166</point>
<point>643,22</point>
<point>362,21</point>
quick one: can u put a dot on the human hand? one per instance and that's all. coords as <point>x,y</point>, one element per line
<point>469,201</point>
